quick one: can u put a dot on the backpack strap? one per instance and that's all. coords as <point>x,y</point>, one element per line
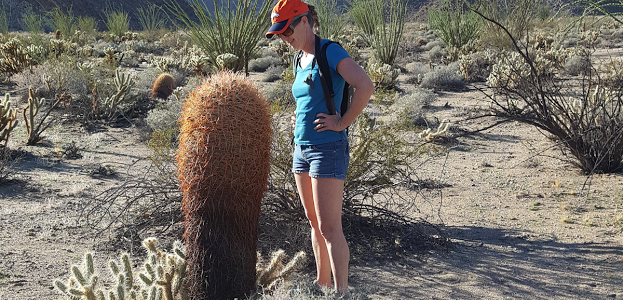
<point>297,61</point>
<point>325,75</point>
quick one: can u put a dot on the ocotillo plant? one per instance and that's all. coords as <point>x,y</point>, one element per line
<point>223,163</point>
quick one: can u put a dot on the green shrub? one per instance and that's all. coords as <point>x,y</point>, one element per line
<point>273,73</point>
<point>164,117</point>
<point>383,23</point>
<point>263,63</point>
<point>117,22</point>
<point>408,108</point>
<point>4,21</point>
<point>443,78</point>
<point>332,18</point>
<point>515,15</point>
<point>578,65</point>
<point>235,30</point>
<point>87,25</point>
<point>151,18</point>
<point>64,22</point>
<point>454,24</point>
<point>32,23</point>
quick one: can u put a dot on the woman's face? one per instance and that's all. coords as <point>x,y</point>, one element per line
<point>296,40</point>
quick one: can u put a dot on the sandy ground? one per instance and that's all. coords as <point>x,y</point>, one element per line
<point>525,223</point>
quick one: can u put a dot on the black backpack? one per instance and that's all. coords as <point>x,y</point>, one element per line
<point>325,77</point>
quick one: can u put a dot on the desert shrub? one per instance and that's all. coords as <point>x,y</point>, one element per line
<point>4,22</point>
<point>516,16</point>
<point>455,25</point>
<point>332,18</point>
<point>64,22</point>
<point>165,116</point>
<point>234,30</point>
<point>444,78</point>
<point>273,73</point>
<point>437,54</point>
<point>117,22</point>
<point>433,44</point>
<point>86,24</point>
<point>32,22</point>
<point>263,63</point>
<point>151,18</point>
<point>417,68</point>
<point>383,23</point>
<point>408,108</point>
<point>578,65</point>
<point>11,12</point>
<point>584,119</point>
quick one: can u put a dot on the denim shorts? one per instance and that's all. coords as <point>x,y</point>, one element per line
<point>329,160</point>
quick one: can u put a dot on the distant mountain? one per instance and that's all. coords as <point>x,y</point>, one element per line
<point>91,8</point>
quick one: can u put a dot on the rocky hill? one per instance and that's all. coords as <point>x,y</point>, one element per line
<point>95,8</point>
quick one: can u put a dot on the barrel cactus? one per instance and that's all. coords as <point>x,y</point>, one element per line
<point>223,163</point>
<point>163,86</point>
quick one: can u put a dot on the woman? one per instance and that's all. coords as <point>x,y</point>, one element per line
<point>321,156</point>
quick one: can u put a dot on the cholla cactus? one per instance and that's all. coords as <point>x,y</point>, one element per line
<point>35,127</point>
<point>383,75</point>
<point>82,283</point>
<point>124,83</point>
<point>14,58</point>
<point>8,120</point>
<point>163,277</point>
<point>428,135</point>
<point>110,55</point>
<point>270,274</point>
<point>226,61</point>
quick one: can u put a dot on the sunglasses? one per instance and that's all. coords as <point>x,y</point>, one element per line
<point>290,30</point>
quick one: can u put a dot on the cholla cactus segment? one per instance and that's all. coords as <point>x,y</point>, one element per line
<point>226,61</point>
<point>428,135</point>
<point>274,272</point>
<point>383,75</point>
<point>8,120</point>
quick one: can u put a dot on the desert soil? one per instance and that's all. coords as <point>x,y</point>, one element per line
<point>525,223</point>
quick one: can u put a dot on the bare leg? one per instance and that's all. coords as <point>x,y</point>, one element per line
<point>328,194</point>
<point>323,261</point>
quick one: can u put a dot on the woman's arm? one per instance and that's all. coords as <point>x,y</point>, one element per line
<point>359,80</point>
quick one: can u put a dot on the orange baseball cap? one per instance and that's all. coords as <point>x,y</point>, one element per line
<point>283,13</point>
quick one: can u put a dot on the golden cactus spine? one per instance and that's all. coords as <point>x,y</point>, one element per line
<point>223,163</point>
<point>163,86</point>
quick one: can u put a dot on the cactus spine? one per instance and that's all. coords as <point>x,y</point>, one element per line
<point>223,162</point>
<point>8,120</point>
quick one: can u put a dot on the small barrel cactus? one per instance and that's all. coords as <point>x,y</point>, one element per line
<point>163,86</point>
<point>223,163</point>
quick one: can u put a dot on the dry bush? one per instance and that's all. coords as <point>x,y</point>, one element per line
<point>584,117</point>
<point>444,78</point>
